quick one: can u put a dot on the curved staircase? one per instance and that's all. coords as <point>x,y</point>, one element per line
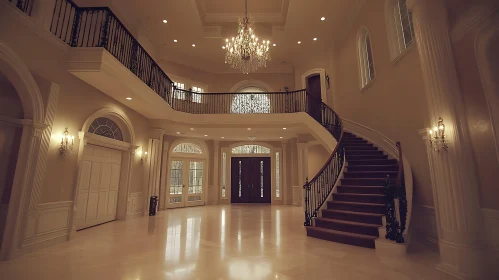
<point>356,210</point>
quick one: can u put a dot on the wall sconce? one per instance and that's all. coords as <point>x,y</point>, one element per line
<point>436,137</point>
<point>328,82</point>
<point>67,143</point>
<point>142,155</point>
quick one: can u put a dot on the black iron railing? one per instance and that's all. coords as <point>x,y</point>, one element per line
<point>23,5</point>
<point>318,189</point>
<point>100,27</point>
<point>395,225</point>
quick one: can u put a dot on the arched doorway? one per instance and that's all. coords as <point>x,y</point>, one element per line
<point>104,164</point>
<point>11,111</point>
<point>187,170</point>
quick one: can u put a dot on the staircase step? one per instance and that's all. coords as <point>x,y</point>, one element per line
<point>348,226</point>
<point>370,174</point>
<point>372,162</point>
<point>363,152</point>
<point>361,189</point>
<point>366,157</point>
<point>361,240</point>
<point>359,217</point>
<point>354,141</point>
<point>377,208</point>
<point>364,181</point>
<point>367,167</point>
<point>355,145</point>
<point>360,148</point>
<point>360,197</point>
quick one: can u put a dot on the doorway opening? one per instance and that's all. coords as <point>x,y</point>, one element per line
<point>250,180</point>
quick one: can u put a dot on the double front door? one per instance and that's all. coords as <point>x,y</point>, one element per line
<point>186,183</point>
<point>250,180</point>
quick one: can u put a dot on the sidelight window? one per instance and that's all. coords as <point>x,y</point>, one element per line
<point>277,177</point>
<point>224,174</point>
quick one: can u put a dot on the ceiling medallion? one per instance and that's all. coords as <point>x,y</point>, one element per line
<point>245,52</point>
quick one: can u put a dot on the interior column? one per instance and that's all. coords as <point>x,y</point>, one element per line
<point>453,175</point>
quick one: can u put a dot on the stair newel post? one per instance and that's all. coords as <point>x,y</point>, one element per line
<point>391,222</point>
<point>308,218</point>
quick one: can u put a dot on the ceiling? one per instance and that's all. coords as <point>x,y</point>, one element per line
<point>206,23</point>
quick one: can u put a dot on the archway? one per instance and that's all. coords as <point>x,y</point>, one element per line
<point>105,158</point>
<point>30,123</point>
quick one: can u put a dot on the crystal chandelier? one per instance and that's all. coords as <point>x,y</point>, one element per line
<point>245,52</point>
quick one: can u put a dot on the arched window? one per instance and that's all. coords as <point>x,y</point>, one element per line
<point>250,100</point>
<point>250,149</point>
<point>107,128</point>
<point>400,26</point>
<point>366,62</point>
<point>187,148</point>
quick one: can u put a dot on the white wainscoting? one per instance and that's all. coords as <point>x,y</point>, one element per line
<point>51,222</point>
<point>135,204</point>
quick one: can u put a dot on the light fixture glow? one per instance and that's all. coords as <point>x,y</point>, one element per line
<point>249,128</point>
<point>284,128</point>
<point>274,45</point>
<point>192,128</point>
<point>323,18</point>
<point>175,40</point>
<point>315,39</point>
<point>165,21</point>
<point>128,98</point>
<point>178,132</point>
<point>299,42</point>
<point>193,45</point>
<point>281,137</point>
<point>223,47</point>
<point>205,135</point>
<point>222,137</point>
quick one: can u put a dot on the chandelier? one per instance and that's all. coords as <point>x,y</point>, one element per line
<point>245,52</point>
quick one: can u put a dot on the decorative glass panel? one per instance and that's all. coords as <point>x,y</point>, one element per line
<point>188,148</point>
<point>176,199</point>
<point>250,104</point>
<point>277,177</point>
<point>240,177</point>
<point>251,149</point>
<point>195,177</point>
<point>194,198</point>
<point>176,177</point>
<point>261,178</point>
<point>107,128</point>
<point>224,172</point>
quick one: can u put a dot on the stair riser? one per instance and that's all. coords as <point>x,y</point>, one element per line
<point>347,228</point>
<point>341,239</point>
<point>352,189</point>
<point>356,168</point>
<point>366,157</point>
<point>363,152</point>
<point>356,208</point>
<point>371,162</point>
<point>354,141</point>
<point>364,182</point>
<point>352,218</point>
<point>355,146</point>
<point>363,199</point>
<point>360,148</point>
<point>370,175</point>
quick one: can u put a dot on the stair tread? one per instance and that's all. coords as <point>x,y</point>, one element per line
<point>360,194</point>
<point>354,213</point>
<point>357,203</point>
<point>376,172</point>
<point>345,233</point>
<point>370,165</point>
<point>349,222</point>
<point>360,186</point>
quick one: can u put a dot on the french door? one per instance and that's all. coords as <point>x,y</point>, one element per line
<point>250,180</point>
<point>186,183</point>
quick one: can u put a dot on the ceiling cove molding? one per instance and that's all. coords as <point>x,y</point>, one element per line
<point>471,20</point>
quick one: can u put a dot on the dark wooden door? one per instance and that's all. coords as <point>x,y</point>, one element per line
<point>250,180</point>
<point>315,97</point>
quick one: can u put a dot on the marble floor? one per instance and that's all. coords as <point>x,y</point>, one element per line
<point>213,242</point>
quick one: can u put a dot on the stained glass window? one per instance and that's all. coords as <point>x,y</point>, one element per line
<point>250,149</point>
<point>277,177</point>
<point>187,148</point>
<point>107,128</point>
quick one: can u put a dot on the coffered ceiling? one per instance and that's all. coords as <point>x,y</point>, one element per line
<point>206,23</point>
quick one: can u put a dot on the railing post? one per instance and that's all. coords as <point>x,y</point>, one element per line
<point>76,28</point>
<point>308,217</point>
<point>134,57</point>
<point>105,31</point>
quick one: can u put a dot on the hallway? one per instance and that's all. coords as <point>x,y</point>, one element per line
<point>212,242</point>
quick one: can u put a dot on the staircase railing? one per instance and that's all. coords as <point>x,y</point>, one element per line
<point>23,5</point>
<point>396,203</point>
<point>318,189</point>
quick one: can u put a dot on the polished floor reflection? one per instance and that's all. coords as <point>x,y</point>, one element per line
<point>213,242</point>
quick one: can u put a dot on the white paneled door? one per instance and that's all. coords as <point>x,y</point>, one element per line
<point>186,183</point>
<point>98,186</point>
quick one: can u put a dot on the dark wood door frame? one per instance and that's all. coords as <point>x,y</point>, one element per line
<point>252,175</point>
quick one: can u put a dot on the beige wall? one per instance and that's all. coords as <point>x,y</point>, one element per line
<point>394,104</point>
<point>317,157</point>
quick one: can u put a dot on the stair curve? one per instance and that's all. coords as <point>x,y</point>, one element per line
<point>355,212</point>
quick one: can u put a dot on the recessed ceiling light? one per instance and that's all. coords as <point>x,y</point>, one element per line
<point>192,128</point>
<point>193,45</point>
<point>165,21</point>
<point>274,45</point>
<point>128,98</point>
<point>178,132</point>
<point>323,18</point>
<point>249,128</point>
<point>175,40</point>
<point>222,137</point>
<point>284,128</point>
<point>281,137</point>
<point>299,42</point>
<point>315,39</point>
<point>205,135</point>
